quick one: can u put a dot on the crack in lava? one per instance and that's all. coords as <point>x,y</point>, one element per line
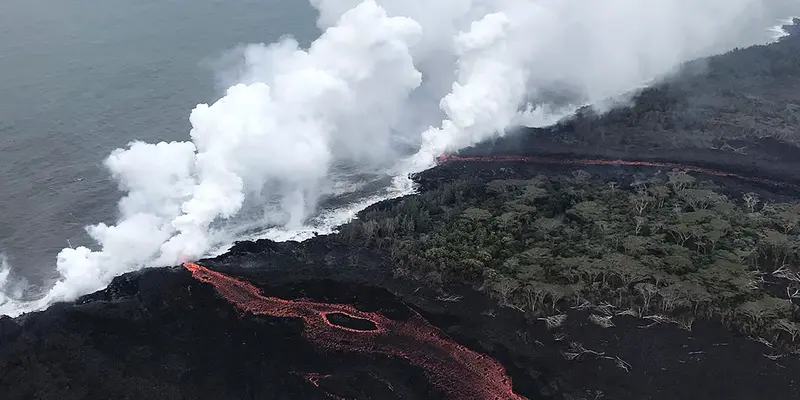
<point>442,159</point>
<point>458,371</point>
<point>314,378</point>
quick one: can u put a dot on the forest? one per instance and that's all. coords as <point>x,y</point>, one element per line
<point>662,245</point>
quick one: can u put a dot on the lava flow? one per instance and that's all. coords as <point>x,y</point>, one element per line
<point>580,161</point>
<point>458,371</point>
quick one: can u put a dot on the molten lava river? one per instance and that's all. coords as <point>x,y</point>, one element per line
<point>458,371</point>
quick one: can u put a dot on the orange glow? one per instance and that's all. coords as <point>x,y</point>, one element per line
<point>453,368</point>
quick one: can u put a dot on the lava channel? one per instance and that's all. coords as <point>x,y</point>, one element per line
<point>442,159</point>
<point>458,371</point>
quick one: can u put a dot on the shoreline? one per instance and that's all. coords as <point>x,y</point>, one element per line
<point>615,362</point>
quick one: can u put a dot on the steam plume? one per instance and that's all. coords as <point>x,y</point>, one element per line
<point>10,289</point>
<point>5,271</point>
<point>388,86</point>
<point>784,28</point>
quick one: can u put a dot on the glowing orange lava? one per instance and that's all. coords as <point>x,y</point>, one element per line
<point>458,371</point>
<point>580,161</point>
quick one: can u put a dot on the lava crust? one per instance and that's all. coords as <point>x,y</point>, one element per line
<point>453,368</point>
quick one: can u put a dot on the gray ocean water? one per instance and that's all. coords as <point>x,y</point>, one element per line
<point>79,78</point>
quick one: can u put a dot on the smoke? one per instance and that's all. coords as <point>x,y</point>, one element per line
<point>388,86</point>
<point>5,271</point>
<point>595,50</point>
<point>785,28</point>
<point>10,289</point>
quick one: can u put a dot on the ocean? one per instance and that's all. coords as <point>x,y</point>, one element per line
<point>80,78</point>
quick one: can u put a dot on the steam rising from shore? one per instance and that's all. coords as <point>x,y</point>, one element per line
<point>387,87</point>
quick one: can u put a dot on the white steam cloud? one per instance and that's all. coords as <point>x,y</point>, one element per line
<point>779,31</point>
<point>388,86</point>
<point>5,272</point>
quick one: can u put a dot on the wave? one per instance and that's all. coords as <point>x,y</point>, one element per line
<point>309,136</point>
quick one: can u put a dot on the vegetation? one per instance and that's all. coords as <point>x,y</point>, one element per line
<point>666,246</point>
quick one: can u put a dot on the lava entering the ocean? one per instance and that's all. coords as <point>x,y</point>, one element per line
<point>458,371</point>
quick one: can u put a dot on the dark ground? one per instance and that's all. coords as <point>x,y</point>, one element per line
<point>161,334</point>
